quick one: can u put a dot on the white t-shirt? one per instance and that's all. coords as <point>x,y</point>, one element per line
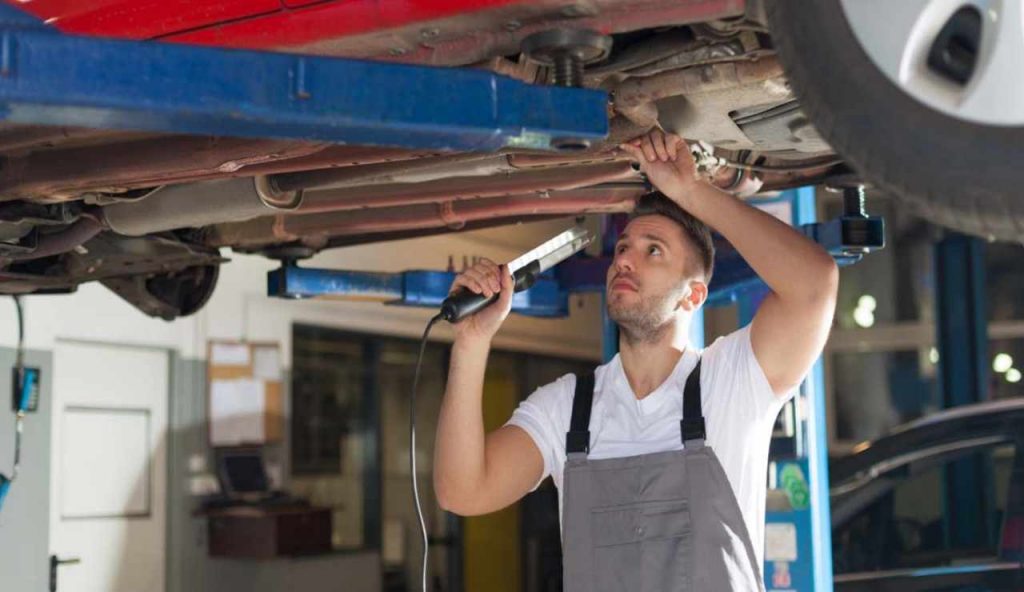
<point>739,410</point>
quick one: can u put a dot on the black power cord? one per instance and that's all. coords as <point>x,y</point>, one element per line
<point>412,444</point>
<point>21,329</point>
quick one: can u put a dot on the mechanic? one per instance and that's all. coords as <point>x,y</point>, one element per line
<point>653,498</point>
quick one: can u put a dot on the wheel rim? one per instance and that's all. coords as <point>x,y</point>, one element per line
<point>962,57</point>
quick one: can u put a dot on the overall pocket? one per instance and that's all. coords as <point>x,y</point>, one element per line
<point>667,556</point>
<point>642,547</point>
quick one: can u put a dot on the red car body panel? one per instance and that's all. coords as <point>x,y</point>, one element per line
<point>408,30</point>
<point>142,19</point>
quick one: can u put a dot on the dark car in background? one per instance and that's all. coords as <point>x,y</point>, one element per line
<point>937,504</point>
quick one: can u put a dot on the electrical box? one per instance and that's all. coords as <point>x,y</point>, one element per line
<point>24,389</point>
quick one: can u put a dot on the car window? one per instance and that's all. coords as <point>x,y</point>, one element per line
<point>914,523</point>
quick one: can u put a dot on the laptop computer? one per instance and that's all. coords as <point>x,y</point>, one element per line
<point>243,478</point>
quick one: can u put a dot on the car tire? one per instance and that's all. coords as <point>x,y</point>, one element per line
<point>956,173</point>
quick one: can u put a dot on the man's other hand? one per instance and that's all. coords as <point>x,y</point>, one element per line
<point>667,161</point>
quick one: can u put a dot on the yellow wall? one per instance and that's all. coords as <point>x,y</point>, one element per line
<point>491,547</point>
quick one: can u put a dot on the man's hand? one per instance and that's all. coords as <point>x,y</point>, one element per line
<point>667,161</point>
<point>487,278</point>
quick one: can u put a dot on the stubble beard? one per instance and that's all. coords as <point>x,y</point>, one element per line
<point>644,321</point>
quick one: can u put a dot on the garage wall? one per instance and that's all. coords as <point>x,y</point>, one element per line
<point>24,538</point>
<point>239,309</point>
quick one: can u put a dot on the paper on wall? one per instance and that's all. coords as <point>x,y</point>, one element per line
<point>780,541</point>
<point>229,354</point>
<point>266,363</point>
<point>237,412</point>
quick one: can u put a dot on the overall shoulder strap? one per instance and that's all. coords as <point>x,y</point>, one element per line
<point>577,440</point>
<point>692,425</point>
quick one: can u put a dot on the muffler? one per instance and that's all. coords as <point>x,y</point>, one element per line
<point>200,204</point>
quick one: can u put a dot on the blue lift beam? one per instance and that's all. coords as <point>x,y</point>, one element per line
<point>581,274</point>
<point>49,78</point>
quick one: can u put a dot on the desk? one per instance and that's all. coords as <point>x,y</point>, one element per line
<point>260,532</point>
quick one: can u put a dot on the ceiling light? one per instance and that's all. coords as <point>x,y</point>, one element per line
<point>864,317</point>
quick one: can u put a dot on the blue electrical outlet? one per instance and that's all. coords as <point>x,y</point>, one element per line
<point>5,486</point>
<point>25,390</point>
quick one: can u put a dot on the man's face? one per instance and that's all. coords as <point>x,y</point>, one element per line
<point>648,275</point>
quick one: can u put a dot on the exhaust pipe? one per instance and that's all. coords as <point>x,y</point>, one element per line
<point>61,242</point>
<point>200,204</point>
<point>317,228</point>
<point>242,199</point>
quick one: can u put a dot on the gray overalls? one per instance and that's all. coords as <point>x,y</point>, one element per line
<point>660,522</point>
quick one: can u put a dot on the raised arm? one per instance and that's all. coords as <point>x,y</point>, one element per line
<point>792,324</point>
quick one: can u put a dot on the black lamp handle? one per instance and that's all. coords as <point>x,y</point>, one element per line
<point>463,303</point>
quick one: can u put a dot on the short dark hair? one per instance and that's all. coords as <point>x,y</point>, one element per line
<point>694,230</point>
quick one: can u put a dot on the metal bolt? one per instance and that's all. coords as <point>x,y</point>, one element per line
<point>513,26</point>
<point>566,51</point>
<point>853,201</point>
<point>430,33</point>
<point>568,70</point>
<point>398,51</point>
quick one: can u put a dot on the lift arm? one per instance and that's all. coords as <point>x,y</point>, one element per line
<point>847,239</point>
<point>49,78</point>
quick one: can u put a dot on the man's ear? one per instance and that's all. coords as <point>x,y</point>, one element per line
<point>694,296</point>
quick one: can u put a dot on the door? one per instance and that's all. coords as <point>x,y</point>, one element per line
<point>109,464</point>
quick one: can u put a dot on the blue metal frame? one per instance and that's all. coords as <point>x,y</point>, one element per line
<point>812,569</point>
<point>734,280</point>
<point>420,288</point>
<point>813,390</point>
<point>962,328</point>
<point>847,238</point>
<point>49,78</point>
<point>962,335</point>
